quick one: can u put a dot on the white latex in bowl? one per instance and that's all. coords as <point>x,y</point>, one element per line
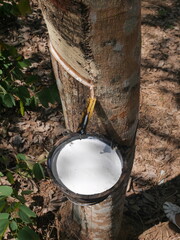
<point>88,166</point>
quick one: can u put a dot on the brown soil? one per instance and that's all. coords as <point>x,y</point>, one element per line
<point>155,175</point>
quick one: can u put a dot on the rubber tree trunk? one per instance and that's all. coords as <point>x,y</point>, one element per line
<point>100,41</point>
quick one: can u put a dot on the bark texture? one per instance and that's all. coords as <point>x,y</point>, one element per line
<point>101,41</point>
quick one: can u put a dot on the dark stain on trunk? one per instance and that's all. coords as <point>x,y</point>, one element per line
<point>74,25</point>
<point>86,28</point>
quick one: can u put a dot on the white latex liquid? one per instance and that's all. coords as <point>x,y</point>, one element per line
<point>88,166</point>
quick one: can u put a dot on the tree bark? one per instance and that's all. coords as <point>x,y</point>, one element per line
<point>100,41</point>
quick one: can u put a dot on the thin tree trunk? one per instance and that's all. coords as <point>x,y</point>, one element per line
<point>100,41</point>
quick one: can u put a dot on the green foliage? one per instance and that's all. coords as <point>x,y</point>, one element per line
<point>5,191</point>
<point>9,9</point>
<point>28,234</point>
<point>21,157</point>
<point>13,225</point>
<point>48,95</point>
<point>24,7</point>
<point>26,214</point>
<point>38,171</point>
<point>16,219</point>
<point>18,88</point>
<point>4,222</point>
<point>10,177</point>
<point>13,87</point>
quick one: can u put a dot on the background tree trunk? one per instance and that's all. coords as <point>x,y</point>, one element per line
<point>100,40</point>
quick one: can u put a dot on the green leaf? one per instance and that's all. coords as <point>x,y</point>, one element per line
<point>6,191</point>
<point>1,199</point>
<point>24,7</point>
<point>13,226</point>
<point>2,204</point>
<point>19,58</point>
<point>34,101</point>
<point>24,217</point>
<point>27,192</point>
<point>1,174</point>
<point>23,92</point>
<point>32,79</point>
<point>43,97</point>
<point>20,198</point>
<point>24,64</point>
<point>38,171</point>
<point>21,157</point>
<point>22,166</point>
<point>48,95</point>
<point>29,164</point>
<point>4,223</point>
<point>4,160</point>
<point>14,10</point>
<point>15,205</point>
<point>3,90</point>
<point>21,108</point>
<point>8,100</point>
<point>27,233</point>
<point>54,93</point>
<point>18,74</point>
<point>10,177</point>
<point>26,213</point>
<point>7,65</point>
<point>4,86</point>
<point>4,216</point>
<point>12,51</point>
<point>24,163</point>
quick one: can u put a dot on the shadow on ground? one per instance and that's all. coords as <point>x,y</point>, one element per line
<point>167,16</point>
<point>143,210</point>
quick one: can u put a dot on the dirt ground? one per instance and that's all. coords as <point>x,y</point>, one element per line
<point>155,176</point>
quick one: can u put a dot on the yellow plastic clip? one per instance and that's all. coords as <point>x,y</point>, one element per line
<point>87,115</point>
<point>90,108</point>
